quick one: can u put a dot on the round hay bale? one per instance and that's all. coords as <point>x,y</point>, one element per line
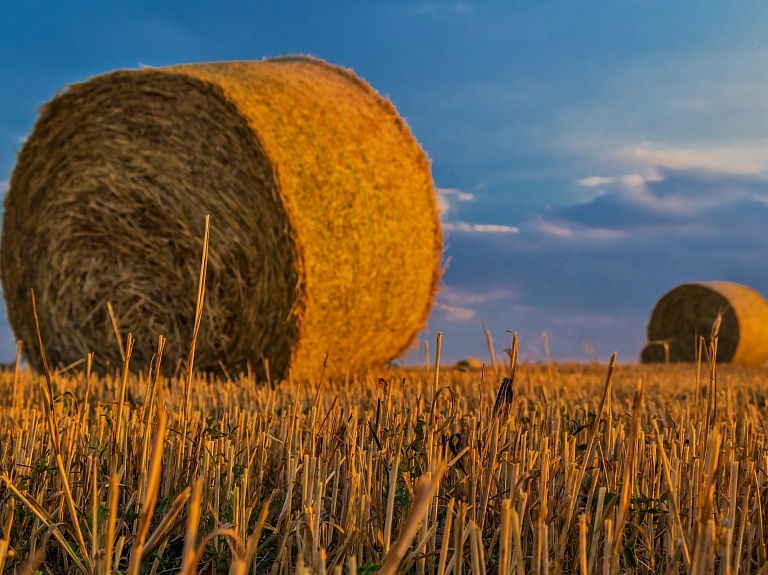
<point>324,227</point>
<point>469,364</point>
<point>690,310</point>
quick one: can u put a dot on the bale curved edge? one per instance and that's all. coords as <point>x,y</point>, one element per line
<point>690,310</point>
<point>325,235</point>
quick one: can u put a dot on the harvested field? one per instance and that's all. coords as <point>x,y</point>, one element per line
<point>402,471</point>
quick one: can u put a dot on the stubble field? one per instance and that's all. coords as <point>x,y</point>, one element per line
<point>567,469</point>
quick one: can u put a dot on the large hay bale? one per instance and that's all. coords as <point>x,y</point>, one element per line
<point>690,310</point>
<point>324,227</point>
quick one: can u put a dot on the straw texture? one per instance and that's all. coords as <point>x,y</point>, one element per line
<point>325,233</point>
<point>690,310</point>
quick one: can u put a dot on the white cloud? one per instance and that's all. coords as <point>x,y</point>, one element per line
<point>594,181</point>
<point>577,232</point>
<point>633,180</point>
<point>672,204</point>
<point>455,313</point>
<point>634,189</point>
<point>446,196</point>
<point>554,230</point>
<point>479,228</point>
<point>737,160</point>
<point>457,304</point>
<point>467,298</point>
<point>629,180</point>
<point>3,187</point>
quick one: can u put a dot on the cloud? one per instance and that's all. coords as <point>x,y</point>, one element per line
<point>671,190</point>
<point>636,180</point>
<point>454,313</point>
<point>628,180</point>
<point>561,229</point>
<point>640,195</point>
<point>460,302</point>
<point>593,181</point>
<point>478,228</point>
<point>446,202</point>
<point>552,229</point>
<point>719,211</point>
<point>674,180</point>
<point>446,197</point>
<point>650,163</point>
<point>466,298</point>
<point>739,161</point>
<point>3,187</point>
<point>682,181</point>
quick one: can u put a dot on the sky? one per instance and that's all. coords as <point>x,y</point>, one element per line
<point>588,156</point>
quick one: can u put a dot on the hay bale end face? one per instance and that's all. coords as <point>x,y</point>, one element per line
<point>324,228</point>
<point>690,310</point>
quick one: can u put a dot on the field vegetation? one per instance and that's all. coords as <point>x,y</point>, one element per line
<point>530,468</point>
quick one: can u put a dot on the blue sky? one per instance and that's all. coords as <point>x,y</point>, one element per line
<point>589,155</point>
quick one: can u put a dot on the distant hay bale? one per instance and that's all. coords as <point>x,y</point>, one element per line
<point>324,227</point>
<point>690,310</point>
<point>469,364</point>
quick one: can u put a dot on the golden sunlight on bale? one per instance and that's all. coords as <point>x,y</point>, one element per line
<point>324,228</point>
<point>689,311</point>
